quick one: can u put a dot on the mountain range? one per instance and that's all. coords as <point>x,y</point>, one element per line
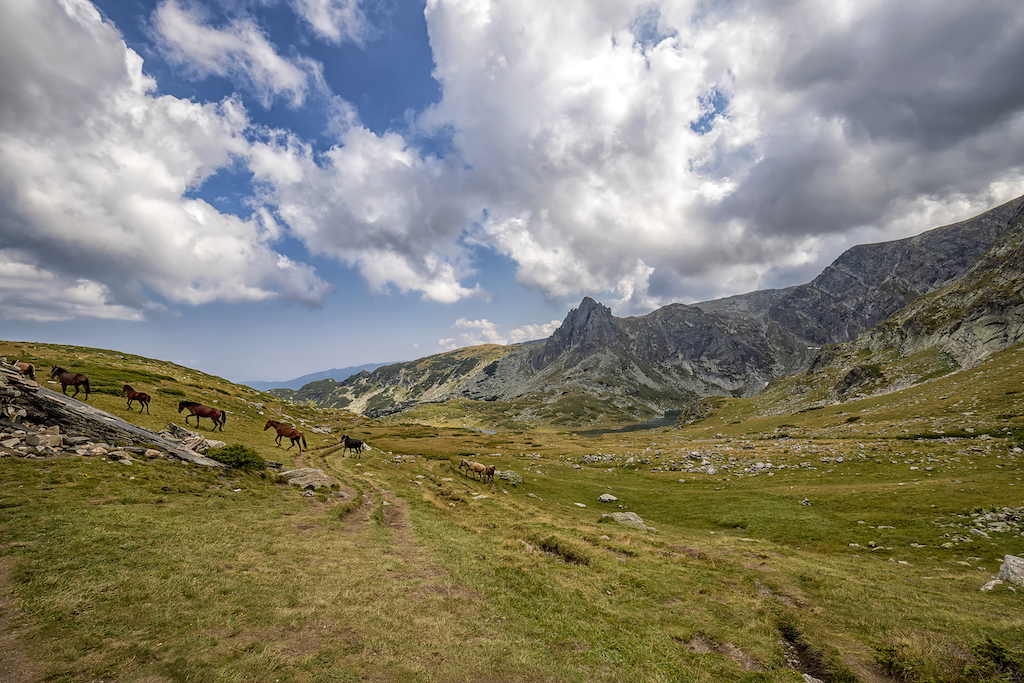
<point>956,287</point>
<point>337,374</point>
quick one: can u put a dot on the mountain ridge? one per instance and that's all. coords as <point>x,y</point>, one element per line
<point>596,367</point>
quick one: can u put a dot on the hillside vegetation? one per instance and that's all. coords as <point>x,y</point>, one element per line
<point>785,534</point>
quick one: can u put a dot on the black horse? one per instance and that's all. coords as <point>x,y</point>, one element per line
<point>66,379</point>
<point>348,444</point>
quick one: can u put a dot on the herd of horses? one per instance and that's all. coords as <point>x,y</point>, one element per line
<point>218,416</point>
<point>482,471</point>
<point>197,410</point>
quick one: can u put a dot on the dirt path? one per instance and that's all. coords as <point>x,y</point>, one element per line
<point>415,569</point>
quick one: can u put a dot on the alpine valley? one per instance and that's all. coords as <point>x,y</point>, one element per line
<point>880,318</point>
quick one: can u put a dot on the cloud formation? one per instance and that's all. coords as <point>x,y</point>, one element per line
<point>95,171</point>
<point>646,152</point>
<point>240,51</point>
<point>657,151</point>
<point>334,20</point>
<point>483,331</point>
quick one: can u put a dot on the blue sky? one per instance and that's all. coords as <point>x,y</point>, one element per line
<point>263,189</point>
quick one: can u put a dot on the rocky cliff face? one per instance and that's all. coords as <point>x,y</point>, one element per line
<point>974,316</point>
<point>666,359</point>
<point>869,283</point>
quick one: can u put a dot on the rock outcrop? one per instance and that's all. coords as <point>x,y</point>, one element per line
<point>30,408</point>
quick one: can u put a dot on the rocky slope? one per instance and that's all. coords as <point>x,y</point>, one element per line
<point>953,328</point>
<point>597,367</point>
<point>974,316</point>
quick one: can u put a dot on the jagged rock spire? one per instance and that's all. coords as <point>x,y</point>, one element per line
<point>584,330</point>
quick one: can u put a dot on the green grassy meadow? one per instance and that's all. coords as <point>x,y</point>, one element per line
<point>852,558</point>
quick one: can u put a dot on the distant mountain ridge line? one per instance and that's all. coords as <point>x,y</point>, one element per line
<point>337,374</point>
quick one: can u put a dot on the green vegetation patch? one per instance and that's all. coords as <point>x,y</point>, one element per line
<point>238,457</point>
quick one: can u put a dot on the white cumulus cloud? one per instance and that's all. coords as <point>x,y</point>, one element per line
<point>675,150</point>
<point>95,171</point>
<point>334,20</point>
<point>483,331</point>
<point>240,51</point>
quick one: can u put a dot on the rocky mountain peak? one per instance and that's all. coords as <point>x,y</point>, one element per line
<point>585,329</point>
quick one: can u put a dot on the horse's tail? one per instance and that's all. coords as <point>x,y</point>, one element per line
<point>87,387</point>
<point>223,417</point>
<point>304,441</point>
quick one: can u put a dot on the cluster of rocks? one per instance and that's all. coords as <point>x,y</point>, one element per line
<point>700,463</point>
<point>189,439</point>
<point>983,525</point>
<point>34,442</point>
<point>1011,571</point>
<point>36,422</point>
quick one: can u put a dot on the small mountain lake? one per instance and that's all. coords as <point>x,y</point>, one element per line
<point>666,420</point>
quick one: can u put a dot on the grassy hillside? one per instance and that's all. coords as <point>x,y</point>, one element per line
<point>857,555</point>
<point>168,383</point>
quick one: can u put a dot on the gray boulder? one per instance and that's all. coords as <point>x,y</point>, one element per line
<point>307,478</point>
<point>1012,570</point>
<point>607,498</point>
<point>511,476</point>
<point>630,519</point>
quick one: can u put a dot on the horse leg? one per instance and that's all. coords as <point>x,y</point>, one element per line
<point>76,391</point>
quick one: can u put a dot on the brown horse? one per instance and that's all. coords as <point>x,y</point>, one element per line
<point>133,395</point>
<point>27,369</point>
<point>66,379</point>
<point>473,467</point>
<point>218,416</point>
<point>350,444</point>
<point>287,430</point>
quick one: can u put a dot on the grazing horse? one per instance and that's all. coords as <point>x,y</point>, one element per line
<point>218,416</point>
<point>287,430</point>
<point>26,369</point>
<point>350,444</point>
<point>489,472</point>
<point>66,379</point>
<point>473,467</point>
<point>133,395</point>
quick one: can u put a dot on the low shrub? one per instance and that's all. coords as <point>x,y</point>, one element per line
<point>239,457</point>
